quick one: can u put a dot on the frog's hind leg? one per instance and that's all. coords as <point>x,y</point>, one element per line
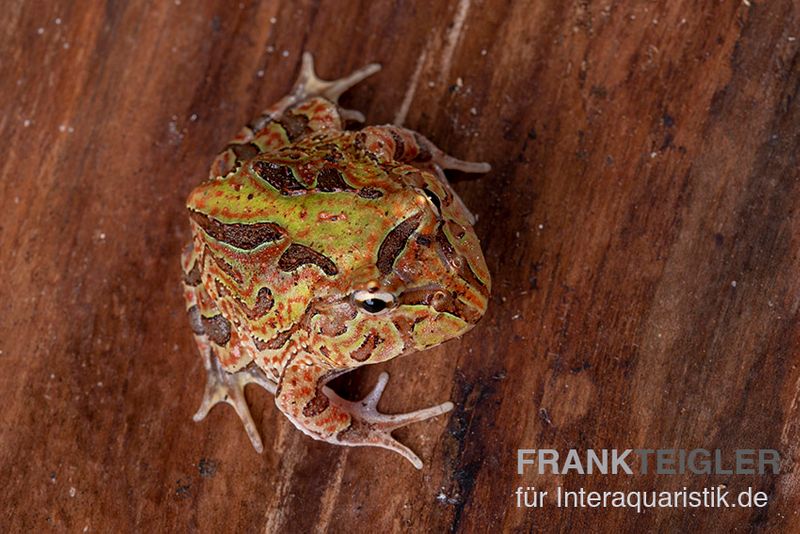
<point>407,146</point>
<point>322,414</point>
<point>221,386</point>
<point>395,143</point>
<point>309,85</point>
<point>266,132</point>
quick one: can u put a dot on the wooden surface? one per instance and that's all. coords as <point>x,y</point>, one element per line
<point>641,225</point>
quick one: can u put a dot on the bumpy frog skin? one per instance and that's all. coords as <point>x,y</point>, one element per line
<point>316,250</point>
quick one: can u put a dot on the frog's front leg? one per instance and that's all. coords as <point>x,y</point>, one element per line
<point>221,386</point>
<point>322,414</point>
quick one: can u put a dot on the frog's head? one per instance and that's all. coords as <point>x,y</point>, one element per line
<point>425,283</point>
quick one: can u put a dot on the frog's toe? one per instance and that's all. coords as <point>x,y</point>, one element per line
<point>373,428</point>
<point>222,386</point>
<point>446,161</point>
<point>352,115</point>
<point>310,85</point>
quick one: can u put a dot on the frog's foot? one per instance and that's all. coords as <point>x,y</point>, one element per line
<point>370,427</point>
<point>223,386</point>
<point>309,85</point>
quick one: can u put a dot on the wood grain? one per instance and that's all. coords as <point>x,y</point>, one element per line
<point>641,226</point>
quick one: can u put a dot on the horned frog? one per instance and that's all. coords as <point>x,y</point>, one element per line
<point>316,250</point>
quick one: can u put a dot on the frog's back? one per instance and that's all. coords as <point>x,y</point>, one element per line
<point>292,227</point>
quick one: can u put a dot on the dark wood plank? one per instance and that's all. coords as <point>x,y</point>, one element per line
<point>640,224</point>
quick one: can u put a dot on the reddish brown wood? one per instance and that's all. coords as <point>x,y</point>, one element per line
<point>640,224</point>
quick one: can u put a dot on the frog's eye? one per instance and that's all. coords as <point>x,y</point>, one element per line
<point>373,302</point>
<point>434,199</point>
<point>373,305</point>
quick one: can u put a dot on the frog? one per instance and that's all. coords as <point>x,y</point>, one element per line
<point>317,249</point>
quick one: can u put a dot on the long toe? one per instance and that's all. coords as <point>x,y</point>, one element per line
<point>237,400</point>
<point>446,161</point>
<point>392,422</point>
